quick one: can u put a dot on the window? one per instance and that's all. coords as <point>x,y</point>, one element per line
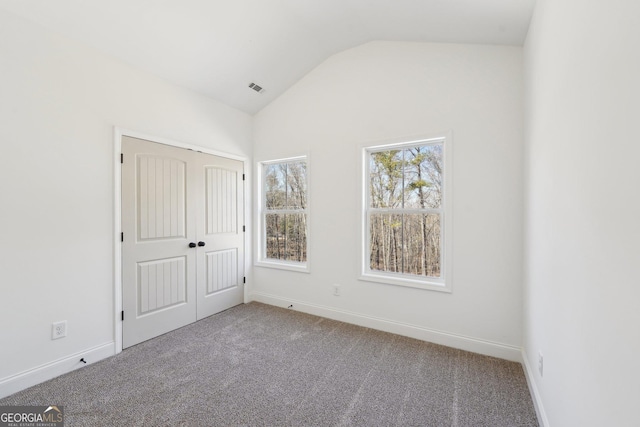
<point>406,209</point>
<point>283,218</point>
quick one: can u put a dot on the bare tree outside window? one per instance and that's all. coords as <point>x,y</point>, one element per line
<point>405,210</point>
<point>285,211</point>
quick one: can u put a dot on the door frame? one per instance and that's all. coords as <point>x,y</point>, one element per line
<point>118,133</point>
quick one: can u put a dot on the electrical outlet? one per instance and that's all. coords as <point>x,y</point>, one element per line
<point>540,363</point>
<point>59,330</point>
<point>336,290</point>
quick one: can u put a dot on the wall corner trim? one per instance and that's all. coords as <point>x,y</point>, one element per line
<point>42,373</point>
<point>535,393</point>
<point>488,348</point>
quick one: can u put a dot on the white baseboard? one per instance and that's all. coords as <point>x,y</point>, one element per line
<point>535,393</point>
<point>489,348</point>
<point>26,379</point>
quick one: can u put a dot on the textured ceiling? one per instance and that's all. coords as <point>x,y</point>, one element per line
<point>218,47</point>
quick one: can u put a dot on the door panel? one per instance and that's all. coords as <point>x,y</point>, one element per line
<point>158,267</point>
<point>161,284</point>
<point>220,282</point>
<point>161,197</point>
<point>172,197</point>
<point>222,267</point>
<point>220,192</point>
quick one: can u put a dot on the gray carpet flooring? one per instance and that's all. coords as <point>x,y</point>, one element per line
<point>258,365</point>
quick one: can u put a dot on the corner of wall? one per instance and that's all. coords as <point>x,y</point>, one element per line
<point>533,389</point>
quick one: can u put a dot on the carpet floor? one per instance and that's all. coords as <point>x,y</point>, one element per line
<point>258,365</point>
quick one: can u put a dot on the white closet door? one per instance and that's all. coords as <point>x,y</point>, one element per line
<point>220,261</point>
<point>183,246</point>
<point>159,267</point>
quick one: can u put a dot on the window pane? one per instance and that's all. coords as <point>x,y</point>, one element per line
<point>275,186</point>
<point>421,243</point>
<point>385,237</point>
<point>297,185</point>
<point>385,180</point>
<point>286,237</point>
<point>423,177</point>
<point>296,234</point>
<point>275,238</point>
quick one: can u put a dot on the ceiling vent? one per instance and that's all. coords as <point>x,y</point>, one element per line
<point>255,87</point>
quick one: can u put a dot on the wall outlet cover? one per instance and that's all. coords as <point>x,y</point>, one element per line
<point>59,330</point>
<point>540,363</point>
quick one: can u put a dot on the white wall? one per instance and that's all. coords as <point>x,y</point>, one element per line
<point>59,104</point>
<point>387,90</point>
<point>582,259</point>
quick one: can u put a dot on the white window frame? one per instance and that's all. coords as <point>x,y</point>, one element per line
<point>443,283</point>
<point>261,260</point>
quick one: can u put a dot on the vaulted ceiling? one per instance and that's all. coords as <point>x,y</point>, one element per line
<point>218,47</point>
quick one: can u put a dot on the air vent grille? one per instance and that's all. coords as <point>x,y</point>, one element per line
<point>255,87</point>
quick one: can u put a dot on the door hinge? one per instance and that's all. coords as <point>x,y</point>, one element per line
<point>243,177</point>
<point>122,237</point>
<point>122,315</point>
<point>121,157</point>
<point>244,228</point>
<point>244,280</point>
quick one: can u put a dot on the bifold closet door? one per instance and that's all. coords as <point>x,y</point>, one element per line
<point>182,248</point>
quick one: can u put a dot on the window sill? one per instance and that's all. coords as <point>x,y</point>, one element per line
<point>284,265</point>
<point>387,279</point>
